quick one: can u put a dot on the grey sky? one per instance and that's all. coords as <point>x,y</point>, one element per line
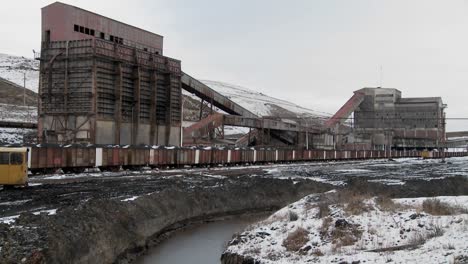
<point>313,53</point>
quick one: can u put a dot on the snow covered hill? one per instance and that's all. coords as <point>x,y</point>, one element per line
<point>378,230</point>
<point>262,104</point>
<point>13,68</point>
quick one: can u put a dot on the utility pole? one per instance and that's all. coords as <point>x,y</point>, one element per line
<point>307,138</point>
<point>24,88</point>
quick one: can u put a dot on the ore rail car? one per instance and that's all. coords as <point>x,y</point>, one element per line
<point>75,159</point>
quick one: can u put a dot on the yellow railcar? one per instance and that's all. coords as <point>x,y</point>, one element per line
<point>13,166</point>
<point>426,154</point>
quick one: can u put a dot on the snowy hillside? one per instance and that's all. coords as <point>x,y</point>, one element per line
<point>13,68</point>
<point>371,230</point>
<point>261,104</point>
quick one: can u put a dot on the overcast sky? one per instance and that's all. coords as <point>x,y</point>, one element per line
<point>314,53</point>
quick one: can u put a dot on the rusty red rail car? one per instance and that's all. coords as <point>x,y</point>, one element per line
<point>43,159</point>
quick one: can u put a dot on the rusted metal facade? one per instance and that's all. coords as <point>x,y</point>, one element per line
<point>59,23</point>
<point>384,119</point>
<point>93,90</point>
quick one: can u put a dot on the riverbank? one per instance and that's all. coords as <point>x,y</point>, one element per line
<point>201,243</point>
<point>111,230</point>
<point>359,225</point>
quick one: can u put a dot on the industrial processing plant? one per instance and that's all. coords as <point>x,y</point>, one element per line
<point>106,82</point>
<point>114,148</point>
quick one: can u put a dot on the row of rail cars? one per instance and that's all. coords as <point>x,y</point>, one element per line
<point>77,159</point>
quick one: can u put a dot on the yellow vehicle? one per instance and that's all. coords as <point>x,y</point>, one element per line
<point>13,166</point>
<point>425,154</point>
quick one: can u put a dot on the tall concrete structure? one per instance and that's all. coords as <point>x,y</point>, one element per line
<point>385,119</point>
<point>105,82</point>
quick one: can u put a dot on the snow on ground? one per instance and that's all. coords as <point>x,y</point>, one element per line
<point>93,174</point>
<point>232,130</point>
<point>11,219</point>
<point>388,181</point>
<point>459,201</point>
<point>13,68</point>
<point>130,199</point>
<point>14,135</point>
<point>17,113</point>
<point>390,172</point>
<point>8,219</point>
<point>256,102</point>
<point>48,212</point>
<point>335,173</point>
<point>354,170</point>
<point>310,232</point>
<point>214,176</point>
<point>15,202</point>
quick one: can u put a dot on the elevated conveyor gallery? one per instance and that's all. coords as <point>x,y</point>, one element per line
<point>202,90</point>
<point>237,116</point>
<point>345,110</point>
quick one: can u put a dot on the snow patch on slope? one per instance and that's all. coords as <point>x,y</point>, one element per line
<point>12,68</point>
<point>259,103</point>
<point>374,236</point>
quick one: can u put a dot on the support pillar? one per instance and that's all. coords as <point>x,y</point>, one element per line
<point>136,104</point>
<point>118,102</point>
<point>153,124</point>
<point>168,108</point>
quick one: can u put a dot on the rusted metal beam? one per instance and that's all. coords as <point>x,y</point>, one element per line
<point>457,134</point>
<point>118,102</point>
<point>204,128</point>
<point>263,123</point>
<point>11,124</point>
<point>65,84</point>
<point>345,110</point>
<point>201,109</point>
<point>94,98</point>
<point>137,104</point>
<point>203,91</point>
<point>153,125</point>
<point>168,108</point>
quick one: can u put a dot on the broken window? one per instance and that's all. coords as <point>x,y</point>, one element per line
<point>87,31</point>
<point>47,36</point>
<point>81,29</point>
<point>4,158</point>
<point>16,158</point>
<point>111,38</point>
<point>103,36</point>
<point>76,28</point>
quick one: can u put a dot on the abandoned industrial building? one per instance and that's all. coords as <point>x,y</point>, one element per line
<point>105,82</point>
<point>384,119</point>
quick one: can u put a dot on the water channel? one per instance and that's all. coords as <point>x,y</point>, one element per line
<point>201,244</point>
